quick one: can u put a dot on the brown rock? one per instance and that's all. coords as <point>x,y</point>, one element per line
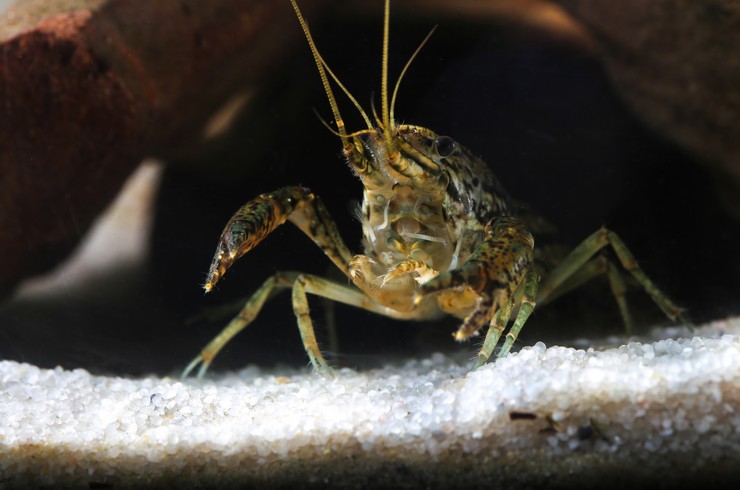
<point>676,63</point>
<point>87,94</point>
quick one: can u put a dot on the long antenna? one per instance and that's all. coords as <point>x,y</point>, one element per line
<point>322,73</point>
<point>405,68</point>
<point>389,126</point>
<point>348,94</point>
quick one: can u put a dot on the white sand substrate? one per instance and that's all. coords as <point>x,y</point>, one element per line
<point>664,411</point>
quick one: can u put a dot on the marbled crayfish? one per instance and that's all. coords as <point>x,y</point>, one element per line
<point>440,235</point>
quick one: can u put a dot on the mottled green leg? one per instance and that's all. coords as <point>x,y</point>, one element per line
<point>591,269</point>
<point>498,272</point>
<point>495,329</point>
<point>584,252</point>
<point>495,272</point>
<point>618,291</point>
<point>301,285</point>
<point>308,284</point>
<point>245,230</point>
<point>597,266</point>
<point>526,307</point>
<point>526,298</point>
<point>247,314</point>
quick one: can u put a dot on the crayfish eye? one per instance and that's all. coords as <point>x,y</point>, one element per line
<point>445,146</point>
